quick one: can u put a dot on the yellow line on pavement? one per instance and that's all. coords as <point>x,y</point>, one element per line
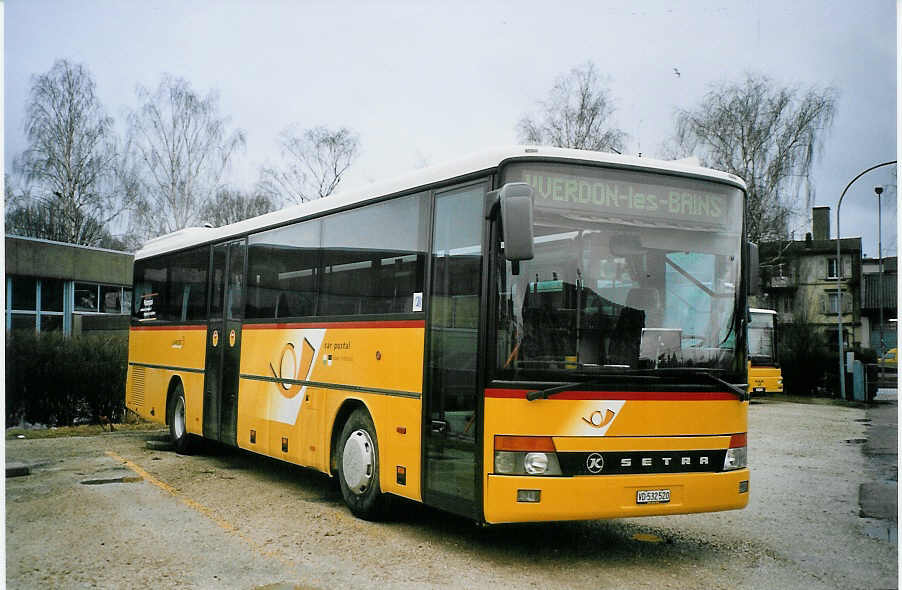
<point>198,507</point>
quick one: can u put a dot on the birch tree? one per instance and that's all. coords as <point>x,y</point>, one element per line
<point>67,165</point>
<point>767,135</point>
<point>230,206</point>
<point>183,148</point>
<point>576,114</point>
<point>313,162</point>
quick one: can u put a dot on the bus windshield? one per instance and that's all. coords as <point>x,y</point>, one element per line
<point>761,338</point>
<point>632,271</point>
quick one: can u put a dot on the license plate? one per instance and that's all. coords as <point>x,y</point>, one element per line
<point>759,390</point>
<point>652,496</point>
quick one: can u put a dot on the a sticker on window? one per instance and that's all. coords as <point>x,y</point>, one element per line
<point>417,302</point>
<point>146,310</point>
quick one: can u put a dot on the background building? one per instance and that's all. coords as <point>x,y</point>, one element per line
<point>805,282</point>
<point>53,287</point>
<point>871,302</point>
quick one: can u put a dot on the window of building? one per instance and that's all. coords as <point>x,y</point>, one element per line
<point>833,302</point>
<point>52,294</point>
<point>34,304</point>
<point>832,268</point>
<point>86,297</point>
<point>46,304</point>
<point>51,323</point>
<point>97,298</point>
<point>24,293</point>
<point>785,304</point>
<point>23,321</point>
<point>110,299</point>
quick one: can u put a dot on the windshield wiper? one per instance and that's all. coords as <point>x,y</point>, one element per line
<point>741,393</point>
<point>548,392</point>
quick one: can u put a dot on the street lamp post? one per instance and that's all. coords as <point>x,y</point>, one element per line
<point>879,191</point>
<point>842,364</point>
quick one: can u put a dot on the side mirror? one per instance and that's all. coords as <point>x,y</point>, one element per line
<point>516,200</point>
<point>753,271</point>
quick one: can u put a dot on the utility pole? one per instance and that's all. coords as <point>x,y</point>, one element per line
<point>879,190</point>
<point>842,368</point>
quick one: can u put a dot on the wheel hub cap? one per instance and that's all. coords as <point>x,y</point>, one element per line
<point>358,461</point>
<point>179,418</point>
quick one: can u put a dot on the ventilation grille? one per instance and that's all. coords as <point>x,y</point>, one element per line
<point>137,386</point>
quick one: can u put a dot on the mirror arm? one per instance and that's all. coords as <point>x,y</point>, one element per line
<point>492,205</point>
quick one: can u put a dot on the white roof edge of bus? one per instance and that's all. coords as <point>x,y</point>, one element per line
<point>483,160</point>
<point>757,310</point>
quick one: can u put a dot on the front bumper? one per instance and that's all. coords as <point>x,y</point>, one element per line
<point>611,496</point>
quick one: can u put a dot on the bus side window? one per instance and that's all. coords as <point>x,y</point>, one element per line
<point>282,271</point>
<point>374,258</point>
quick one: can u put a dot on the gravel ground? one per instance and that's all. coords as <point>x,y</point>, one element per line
<point>225,519</point>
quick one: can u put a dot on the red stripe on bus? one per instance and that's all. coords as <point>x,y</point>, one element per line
<point>617,395</point>
<point>169,327</point>
<point>338,325</point>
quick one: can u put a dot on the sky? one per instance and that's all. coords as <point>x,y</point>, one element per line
<point>426,82</point>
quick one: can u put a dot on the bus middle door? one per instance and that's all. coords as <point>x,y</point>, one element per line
<point>224,342</point>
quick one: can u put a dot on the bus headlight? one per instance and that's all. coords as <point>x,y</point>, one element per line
<point>505,462</point>
<point>535,463</point>
<point>521,463</point>
<point>526,455</point>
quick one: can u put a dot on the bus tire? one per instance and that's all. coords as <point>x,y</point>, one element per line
<point>175,415</point>
<point>358,466</point>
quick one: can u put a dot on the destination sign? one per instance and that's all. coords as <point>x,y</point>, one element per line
<point>624,198</point>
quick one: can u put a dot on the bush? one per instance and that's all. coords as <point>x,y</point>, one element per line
<point>804,360</point>
<point>58,381</point>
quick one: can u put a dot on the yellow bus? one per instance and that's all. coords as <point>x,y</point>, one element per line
<point>527,334</point>
<point>765,375</point>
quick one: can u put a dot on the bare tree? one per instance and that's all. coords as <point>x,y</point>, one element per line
<point>765,134</point>
<point>71,153</point>
<point>183,148</point>
<point>230,206</point>
<point>575,115</point>
<point>312,163</point>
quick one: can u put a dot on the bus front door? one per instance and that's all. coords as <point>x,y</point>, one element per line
<point>224,342</point>
<point>451,438</point>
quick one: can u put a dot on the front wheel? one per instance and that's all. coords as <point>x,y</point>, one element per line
<point>178,431</point>
<point>358,466</point>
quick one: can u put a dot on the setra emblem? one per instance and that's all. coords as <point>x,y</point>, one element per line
<point>595,463</point>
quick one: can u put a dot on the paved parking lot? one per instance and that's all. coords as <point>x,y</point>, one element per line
<point>109,512</point>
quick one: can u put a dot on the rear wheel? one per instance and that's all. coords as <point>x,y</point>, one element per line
<point>178,431</point>
<point>358,466</point>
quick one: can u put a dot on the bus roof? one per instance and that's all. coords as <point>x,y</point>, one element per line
<point>483,161</point>
<point>765,311</point>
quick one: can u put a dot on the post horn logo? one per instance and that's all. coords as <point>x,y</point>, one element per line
<point>293,369</point>
<point>597,419</point>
